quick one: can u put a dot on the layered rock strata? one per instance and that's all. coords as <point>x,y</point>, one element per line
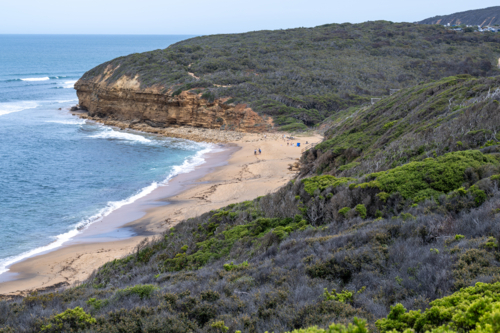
<point>125,101</point>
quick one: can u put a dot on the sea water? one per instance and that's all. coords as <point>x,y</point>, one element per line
<point>59,173</point>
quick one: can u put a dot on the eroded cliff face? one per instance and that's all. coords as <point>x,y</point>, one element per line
<point>125,101</point>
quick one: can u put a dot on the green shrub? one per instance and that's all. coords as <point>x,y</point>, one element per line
<point>459,237</point>
<point>97,304</point>
<point>359,326</point>
<point>209,295</point>
<point>142,290</point>
<point>462,191</point>
<point>491,243</point>
<point>406,216</point>
<point>361,209</point>
<point>475,309</point>
<point>432,177</point>
<point>231,266</point>
<point>389,125</point>
<point>343,297</point>
<point>74,319</point>
<point>479,195</point>
<point>218,246</point>
<point>495,177</point>
<point>348,166</point>
<point>219,326</point>
<point>344,211</point>
<point>323,182</point>
<point>383,196</point>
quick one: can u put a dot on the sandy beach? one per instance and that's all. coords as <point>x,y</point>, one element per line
<point>231,175</point>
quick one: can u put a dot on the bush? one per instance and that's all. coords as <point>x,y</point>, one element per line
<point>343,297</point>
<point>359,326</point>
<point>219,326</point>
<point>231,266</point>
<point>73,319</point>
<point>431,177</point>
<point>323,182</point>
<point>344,211</point>
<point>475,308</point>
<point>142,290</point>
<point>97,304</point>
<point>210,295</point>
<point>361,209</point>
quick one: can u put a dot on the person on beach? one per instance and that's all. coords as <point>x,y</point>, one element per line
<point>255,152</point>
<point>260,151</point>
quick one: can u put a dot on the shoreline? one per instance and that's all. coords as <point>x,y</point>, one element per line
<point>197,134</point>
<point>226,177</point>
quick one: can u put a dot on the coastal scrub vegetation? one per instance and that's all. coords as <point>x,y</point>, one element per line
<point>393,225</point>
<point>357,254</point>
<point>302,76</point>
<point>453,114</point>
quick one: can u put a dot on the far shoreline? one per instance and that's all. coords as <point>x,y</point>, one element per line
<point>226,177</point>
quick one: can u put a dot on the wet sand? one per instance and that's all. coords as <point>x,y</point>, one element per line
<point>232,175</point>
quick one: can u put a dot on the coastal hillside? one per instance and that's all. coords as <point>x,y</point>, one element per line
<point>428,120</point>
<point>289,79</point>
<point>369,241</point>
<point>484,17</point>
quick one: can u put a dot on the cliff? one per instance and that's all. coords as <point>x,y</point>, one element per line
<point>483,17</point>
<point>125,101</point>
<point>299,77</point>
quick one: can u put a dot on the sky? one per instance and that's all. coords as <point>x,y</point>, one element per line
<point>203,17</point>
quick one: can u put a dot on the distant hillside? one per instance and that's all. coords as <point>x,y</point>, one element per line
<point>486,16</point>
<point>300,76</point>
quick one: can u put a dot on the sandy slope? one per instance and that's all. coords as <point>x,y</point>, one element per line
<point>244,177</point>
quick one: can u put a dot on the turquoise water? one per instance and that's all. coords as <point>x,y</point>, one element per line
<point>59,173</point>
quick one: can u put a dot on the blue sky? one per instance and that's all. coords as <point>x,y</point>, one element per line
<point>201,17</point>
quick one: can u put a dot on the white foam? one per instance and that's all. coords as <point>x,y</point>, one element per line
<point>63,238</point>
<point>188,165</point>
<point>69,84</point>
<point>10,107</point>
<point>36,79</point>
<point>67,101</point>
<point>68,122</point>
<point>109,133</point>
<point>60,239</point>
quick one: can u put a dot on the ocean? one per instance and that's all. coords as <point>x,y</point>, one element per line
<point>59,173</point>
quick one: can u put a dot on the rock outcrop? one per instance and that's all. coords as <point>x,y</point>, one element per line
<point>126,101</point>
